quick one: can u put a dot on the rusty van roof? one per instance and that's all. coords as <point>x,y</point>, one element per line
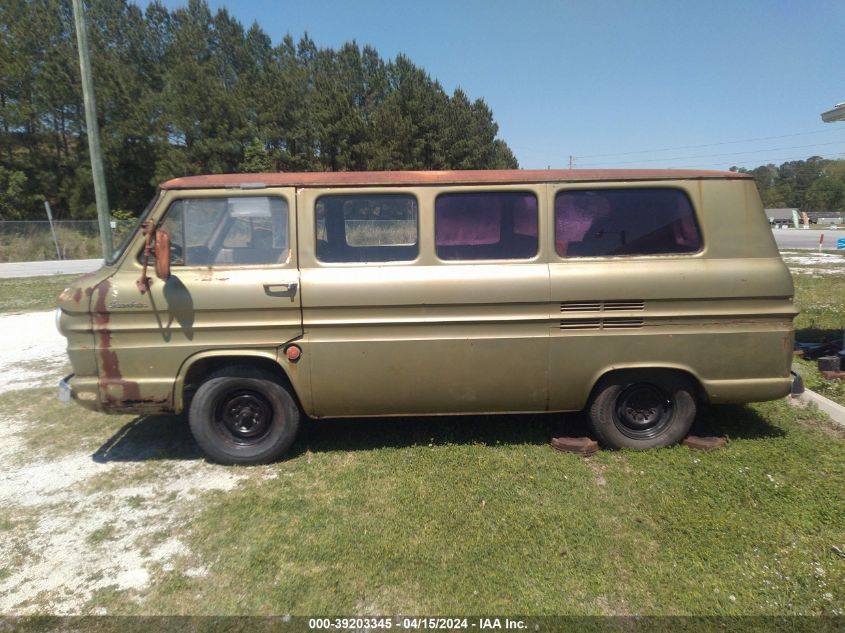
<point>412,178</point>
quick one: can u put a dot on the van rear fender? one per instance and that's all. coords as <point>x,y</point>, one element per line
<point>644,372</point>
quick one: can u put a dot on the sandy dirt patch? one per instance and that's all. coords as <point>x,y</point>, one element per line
<point>815,263</point>
<point>813,259</point>
<point>33,351</point>
<point>72,526</point>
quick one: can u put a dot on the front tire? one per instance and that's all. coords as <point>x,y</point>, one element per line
<point>643,410</point>
<point>243,416</point>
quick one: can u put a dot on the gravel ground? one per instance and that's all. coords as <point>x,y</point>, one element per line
<point>40,269</point>
<point>815,263</point>
<point>33,352</point>
<point>73,526</point>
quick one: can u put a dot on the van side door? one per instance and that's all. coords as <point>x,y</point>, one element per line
<point>405,313</point>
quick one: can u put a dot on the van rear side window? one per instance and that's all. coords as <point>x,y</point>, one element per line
<point>366,228</point>
<point>490,225</point>
<point>607,222</point>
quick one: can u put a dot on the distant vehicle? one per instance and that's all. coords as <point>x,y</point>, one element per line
<point>635,296</point>
<point>781,218</point>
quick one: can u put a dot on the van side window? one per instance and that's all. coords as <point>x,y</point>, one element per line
<point>228,231</point>
<point>490,225</point>
<point>606,222</point>
<point>366,228</point>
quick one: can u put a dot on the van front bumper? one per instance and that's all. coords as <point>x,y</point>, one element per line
<point>82,389</point>
<point>64,389</point>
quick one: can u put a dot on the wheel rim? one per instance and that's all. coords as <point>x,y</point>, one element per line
<point>244,417</point>
<point>643,411</point>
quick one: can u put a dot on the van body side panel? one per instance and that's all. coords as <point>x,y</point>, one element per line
<point>724,315</point>
<point>423,337</point>
<point>420,339</point>
<point>145,339</point>
<point>436,336</point>
<point>733,221</point>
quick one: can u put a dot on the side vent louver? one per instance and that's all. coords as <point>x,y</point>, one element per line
<point>621,323</point>
<point>624,305</point>
<point>580,324</point>
<point>603,322</point>
<point>580,306</point>
<point>601,306</point>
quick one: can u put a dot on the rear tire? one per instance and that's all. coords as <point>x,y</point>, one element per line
<point>240,415</point>
<point>643,410</point>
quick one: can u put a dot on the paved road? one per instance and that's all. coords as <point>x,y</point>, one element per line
<point>37,269</point>
<point>806,238</point>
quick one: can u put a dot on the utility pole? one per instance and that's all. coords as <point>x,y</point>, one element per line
<point>571,160</point>
<point>100,192</point>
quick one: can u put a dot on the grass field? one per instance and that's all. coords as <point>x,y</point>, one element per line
<point>25,294</point>
<point>479,515</point>
<point>33,241</point>
<point>473,515</point>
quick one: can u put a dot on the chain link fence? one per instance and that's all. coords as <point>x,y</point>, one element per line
<point>31,241</point>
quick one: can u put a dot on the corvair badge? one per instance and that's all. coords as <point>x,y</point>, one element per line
<point>131,304</point>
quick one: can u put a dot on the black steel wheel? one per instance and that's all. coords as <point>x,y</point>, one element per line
<point>643,411</point>
<point>245,415</point>
<point>646,409</point>
<point>242,416</point>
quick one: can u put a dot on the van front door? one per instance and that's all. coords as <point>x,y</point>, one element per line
<point>234,286</point>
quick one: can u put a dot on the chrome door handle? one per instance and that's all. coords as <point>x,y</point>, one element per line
<point>280,290</point>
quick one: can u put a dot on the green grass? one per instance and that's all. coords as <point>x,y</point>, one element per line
<point>62,428</point>
<point>821,300</point>
<point>107,532</point>
<point>38,245</point>
<point>26,294</point>
<point>813,379</point>
<point>479,515</point>
<point>34,242</point>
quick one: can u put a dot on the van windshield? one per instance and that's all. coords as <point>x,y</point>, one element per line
<point>131,232</point>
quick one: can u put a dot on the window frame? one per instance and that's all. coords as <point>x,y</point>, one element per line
<point>462,191</point>
<point>376,193</point>
<point>638,186</point>
<point>289,199</point>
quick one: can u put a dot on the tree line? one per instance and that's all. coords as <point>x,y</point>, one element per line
<point>815,185</point>
<point>189,91</point>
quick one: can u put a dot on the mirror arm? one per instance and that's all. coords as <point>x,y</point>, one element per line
<point>143,283</point>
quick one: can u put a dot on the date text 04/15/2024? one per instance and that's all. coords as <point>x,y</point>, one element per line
<point>416,623</point>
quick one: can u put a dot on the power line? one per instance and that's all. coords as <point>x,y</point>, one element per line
<point>747,140</point>
<point>770,160</point>
<point>668,149</point>
<point>756,151</point>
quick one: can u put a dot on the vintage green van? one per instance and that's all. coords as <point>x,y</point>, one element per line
<point>633,295</point>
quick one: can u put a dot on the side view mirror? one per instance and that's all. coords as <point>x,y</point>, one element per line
<point>162,253</point>
<point>161,248</point>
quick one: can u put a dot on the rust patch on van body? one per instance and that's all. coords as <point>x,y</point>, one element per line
<point>115,391</point>
<point>77,289</point>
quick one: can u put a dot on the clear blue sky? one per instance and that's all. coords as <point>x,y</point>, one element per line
<point>610,81</point>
